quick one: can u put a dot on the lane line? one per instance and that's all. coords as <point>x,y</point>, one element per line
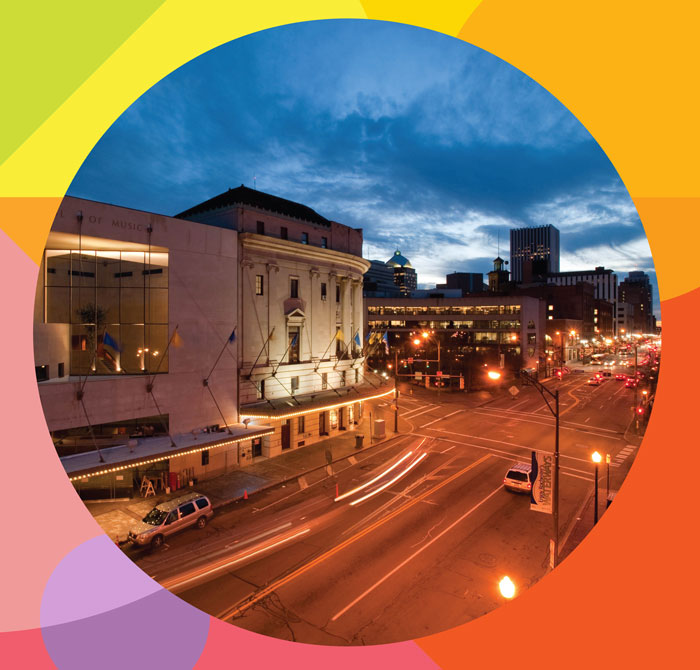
<point>242,606</point>
<point>440,418</point>
<point>416,553</point>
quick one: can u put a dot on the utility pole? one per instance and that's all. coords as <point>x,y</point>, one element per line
<point>396,390</point>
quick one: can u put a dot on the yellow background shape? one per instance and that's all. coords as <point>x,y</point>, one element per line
<point>628,72</point>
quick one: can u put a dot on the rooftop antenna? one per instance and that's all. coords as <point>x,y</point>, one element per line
<point>255,186</point>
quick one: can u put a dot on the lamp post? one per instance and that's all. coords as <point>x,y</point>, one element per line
<point>425,335</point>
<point>554,395</point>
<point>596,459</point>
<point>607,480</point>
<point>396,390</point>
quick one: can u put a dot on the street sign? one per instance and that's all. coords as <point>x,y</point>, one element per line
<point>461,383</point>
<point>410,361</point>
<point>439,373</point>
<point>514,390</point>
<point>419,375</point>
<point>541,480</point>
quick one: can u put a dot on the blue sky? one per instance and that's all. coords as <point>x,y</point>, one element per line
<point>429,144</point>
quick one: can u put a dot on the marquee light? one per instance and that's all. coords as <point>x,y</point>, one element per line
<point>107,471</point>
<point>275,417</point>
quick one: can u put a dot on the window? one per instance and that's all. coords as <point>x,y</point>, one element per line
<point>550,308</point>
<point>205,457</point>
<point>293,344</point>
<point>61,370</point>
<point>357,375</point>
<point>284,233</point>
<point>294,288</point>
<point>259,284</point>
<point>324,380</point>
<point>337,293</point>
<point>324,242</point>
<point>187,509</point>
<point>323,291</point>
<point>301,424</point>
<point>42,373</point>
<point>260,389</point>
<point>343,377</point>
<point>202,502</point>
<point>261,227</point>
<point>256,445</point>
<point>295,384</point>
<point>304,238</point>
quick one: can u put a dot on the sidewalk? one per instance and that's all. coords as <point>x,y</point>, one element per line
<point>305,465</point>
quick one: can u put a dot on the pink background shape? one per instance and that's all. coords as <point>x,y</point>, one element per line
<point>51,520</point>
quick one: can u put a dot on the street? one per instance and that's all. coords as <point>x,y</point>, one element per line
<point>421,548</point>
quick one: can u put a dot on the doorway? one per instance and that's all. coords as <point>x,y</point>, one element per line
<point>286,435</point>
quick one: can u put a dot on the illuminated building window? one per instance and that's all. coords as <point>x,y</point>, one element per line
<point>259,284</point>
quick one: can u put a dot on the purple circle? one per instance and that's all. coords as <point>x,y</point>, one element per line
<point>100,611</point>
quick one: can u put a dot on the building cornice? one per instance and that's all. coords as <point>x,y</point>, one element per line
<point>295,251</point>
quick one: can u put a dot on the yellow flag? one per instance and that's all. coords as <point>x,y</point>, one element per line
<point>177,340</point>
<point>339,335</point>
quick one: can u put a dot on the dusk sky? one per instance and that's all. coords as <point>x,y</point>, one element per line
<point>428,144</point>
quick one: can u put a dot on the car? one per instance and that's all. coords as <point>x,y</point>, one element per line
<point>607,373</point>
<point>171,516</point>
<point>578,371</point>
<point>517,478</point>
<point>621,377</point>
<point>595,381</point>
<point>631,383</point>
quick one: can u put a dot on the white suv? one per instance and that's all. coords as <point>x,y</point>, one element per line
<point>517,478</point>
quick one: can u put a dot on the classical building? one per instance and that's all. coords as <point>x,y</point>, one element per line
<point>131,311</point>
<point>177,348</point>
<point>533,251</point>
<point>300,332</point>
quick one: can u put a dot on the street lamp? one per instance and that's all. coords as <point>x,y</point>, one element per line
<point>597,458</point>
<point>507,588</point>
<point>493,374</point>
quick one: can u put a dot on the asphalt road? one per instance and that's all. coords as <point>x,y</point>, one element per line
<point>425,550</point>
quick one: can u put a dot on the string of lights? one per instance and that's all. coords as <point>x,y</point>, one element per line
<point>156,459</point>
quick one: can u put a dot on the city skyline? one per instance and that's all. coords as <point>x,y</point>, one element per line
<point>449,148</point>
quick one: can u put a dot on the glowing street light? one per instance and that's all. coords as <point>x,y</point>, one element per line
<point>492,374</point>
<point>416,341</point>
<point>506,587</point>
<point>597,458</point>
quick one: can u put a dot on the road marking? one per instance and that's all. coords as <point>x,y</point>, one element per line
<point>448,449</point>
<point>416,553</point>
<point>550,418</point>
<point>414,413</point>
<point>241,607</point>
<point>441,418</point>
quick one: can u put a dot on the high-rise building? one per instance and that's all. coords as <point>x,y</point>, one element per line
<point>379,281</point>
<point>537,248</point>
<point>405,276</point>
<point>636,290</point>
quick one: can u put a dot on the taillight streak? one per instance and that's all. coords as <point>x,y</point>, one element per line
<point>393,481</point>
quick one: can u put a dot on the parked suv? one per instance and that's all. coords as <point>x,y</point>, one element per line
<point>518,478</point>
<point>172,516</point>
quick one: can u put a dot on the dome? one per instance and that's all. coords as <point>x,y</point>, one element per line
<point>397,260</point>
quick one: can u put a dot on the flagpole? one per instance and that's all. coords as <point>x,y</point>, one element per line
<point>221,353</point>
<point>284,354</point>
<point>269,337</point>
<point>165,353</point>
<point>346,350</point>
<point>335,337</point>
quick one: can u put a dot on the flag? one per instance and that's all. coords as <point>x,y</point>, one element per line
<point>385,337</point>
<point>358,342</point>
<point>110,341</point>
<point>369,336</point>
<point>232,336</point>
<point>176,340</point>
<point>339,335</point>
<point>294,340</point>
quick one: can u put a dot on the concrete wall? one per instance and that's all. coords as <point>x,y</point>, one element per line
<point>202,302</point>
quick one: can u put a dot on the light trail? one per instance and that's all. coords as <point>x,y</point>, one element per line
<point>221,565</point>
<point>393,481</point>
<point>376,479</point>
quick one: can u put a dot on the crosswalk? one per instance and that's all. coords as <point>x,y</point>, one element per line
<point>622,456</point>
